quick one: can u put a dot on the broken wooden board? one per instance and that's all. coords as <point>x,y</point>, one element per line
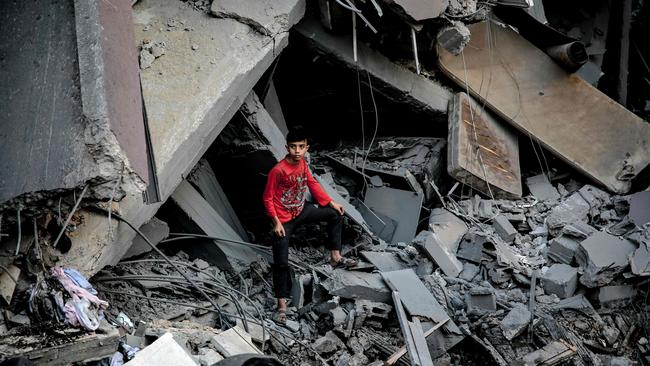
<point>482,149</point>
<point>69,347</point>
<point>572,119</point>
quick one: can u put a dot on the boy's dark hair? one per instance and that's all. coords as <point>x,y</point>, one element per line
<point>296,134</point>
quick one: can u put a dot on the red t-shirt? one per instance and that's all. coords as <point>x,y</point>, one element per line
<point>286,189</point>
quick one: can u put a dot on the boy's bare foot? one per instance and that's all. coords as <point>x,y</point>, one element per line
<point>280,315</point>
<point>343,262</point>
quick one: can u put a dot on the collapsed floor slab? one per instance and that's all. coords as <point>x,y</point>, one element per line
<point>225,63</point>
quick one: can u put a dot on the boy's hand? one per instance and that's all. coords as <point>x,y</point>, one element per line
<point>278,229</point>
<point>337,207</point>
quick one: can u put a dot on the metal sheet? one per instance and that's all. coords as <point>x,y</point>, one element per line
<point>564,113</point>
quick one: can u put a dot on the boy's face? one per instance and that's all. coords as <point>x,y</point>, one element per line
<point>297,150</point>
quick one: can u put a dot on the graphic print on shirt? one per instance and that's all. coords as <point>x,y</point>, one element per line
<point>293,193</point>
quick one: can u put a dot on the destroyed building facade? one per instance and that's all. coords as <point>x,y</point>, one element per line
<point>491,157</point>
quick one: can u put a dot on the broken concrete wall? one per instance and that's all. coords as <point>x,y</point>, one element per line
<point>219,60</point>
<point>75,93</point>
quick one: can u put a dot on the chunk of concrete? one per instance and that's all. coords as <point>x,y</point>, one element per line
<point>266,129</point>
<point>454,37</point>
<point>417,10</point>
<point>7,284</point>
<point>640,260</point>
<point>357,285</point>
<point>155,230</point>
<point>640,208</point>
<point>603,256</point>
<point>483,152</point>
<point>437,252</point>
<point>542,189</point>
<point>392,80</point>
<point>384,261</point>
<point>234,341</point>
<point>447,227</point>
<point>551,354</point>
<point>613,296</point>
<point>417,299</point>
<point>328,343</point>
<point>563,249</point>
<point>572,209</point>
<point>267,17</point>
<point>470,271</point>
<point>515,321</point>
<point>504,228</point>
<point>163,351</point>
<point>560,279</point>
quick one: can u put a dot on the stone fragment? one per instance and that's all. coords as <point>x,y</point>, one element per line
<point>516,321</point>
<point>437,252</point>
<point>447,227</point>
<point>155,230</point>
<point>417,10</point>
<point>551,354</point>
<point>560,279</point>
<point>208,356</point>
<point>602,256</point>
<point>572,209</point>
<point>453,38</point>
<point>164,351</point>
<point>357,285</point>
<point>469,272</point>
<point>542,189</point>
<point>613,296</point>
<point>562,249</point>
<point>640,260</point>
<point>328,343</point>
<point>504,228</point>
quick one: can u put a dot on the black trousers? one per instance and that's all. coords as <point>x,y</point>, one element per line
<point>310,213</point>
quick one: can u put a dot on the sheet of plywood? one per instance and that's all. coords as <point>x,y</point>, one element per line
<point>564,113</point>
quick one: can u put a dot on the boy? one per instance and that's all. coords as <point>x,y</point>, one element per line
<point>284,200</point>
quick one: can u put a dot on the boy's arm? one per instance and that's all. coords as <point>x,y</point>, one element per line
<point>269,192</point>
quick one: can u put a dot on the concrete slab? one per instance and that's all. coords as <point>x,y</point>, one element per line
<point>560,279</point>
<point>530,91</point>
<point>272,105</point>
<point>482,148</point>
<point>392,80</point>
<point>515,321</point>
<point>260,120</point>
<point>640,208</point>
<point>228,62</point>
<point>234,341</point>
<point>256,15</point>
<point>211,223</point>
<point>419,10</point>
<point>384,262</point>
<point>205,181</point>
<point>448,228</point>
<point>542,189</point>
<point>447,261</point>
<point>417,299</point>
<point>357,285</point>
<point>163,351</point>
<point>401,206</point>
<point>155,230</point>
<point>93,131</point>
<point>603,256</point>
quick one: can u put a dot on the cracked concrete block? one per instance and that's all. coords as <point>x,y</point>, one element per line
<point>447,227</point>
<point>504,228</point>
<point>267,17</point>
<point>357,285</point>
<point>440,254</point>
<point>613,296</point>
<point>542,189</point>
<point>516,321</point>
<point>328,343</point>
<point>163,351</point>
<point>603,256</point>
<point>560,279</point>
<point>572,209</point>
<point>155,230</point>
<point>470,271</point>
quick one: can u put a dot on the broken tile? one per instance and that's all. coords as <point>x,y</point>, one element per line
<point>447,261</point>
<point>516,321</point>
<point>602,256</point>
<point>560,279</point>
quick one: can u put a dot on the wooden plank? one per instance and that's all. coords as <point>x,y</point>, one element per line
<point>482,149</point>
<point>564,113</point>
